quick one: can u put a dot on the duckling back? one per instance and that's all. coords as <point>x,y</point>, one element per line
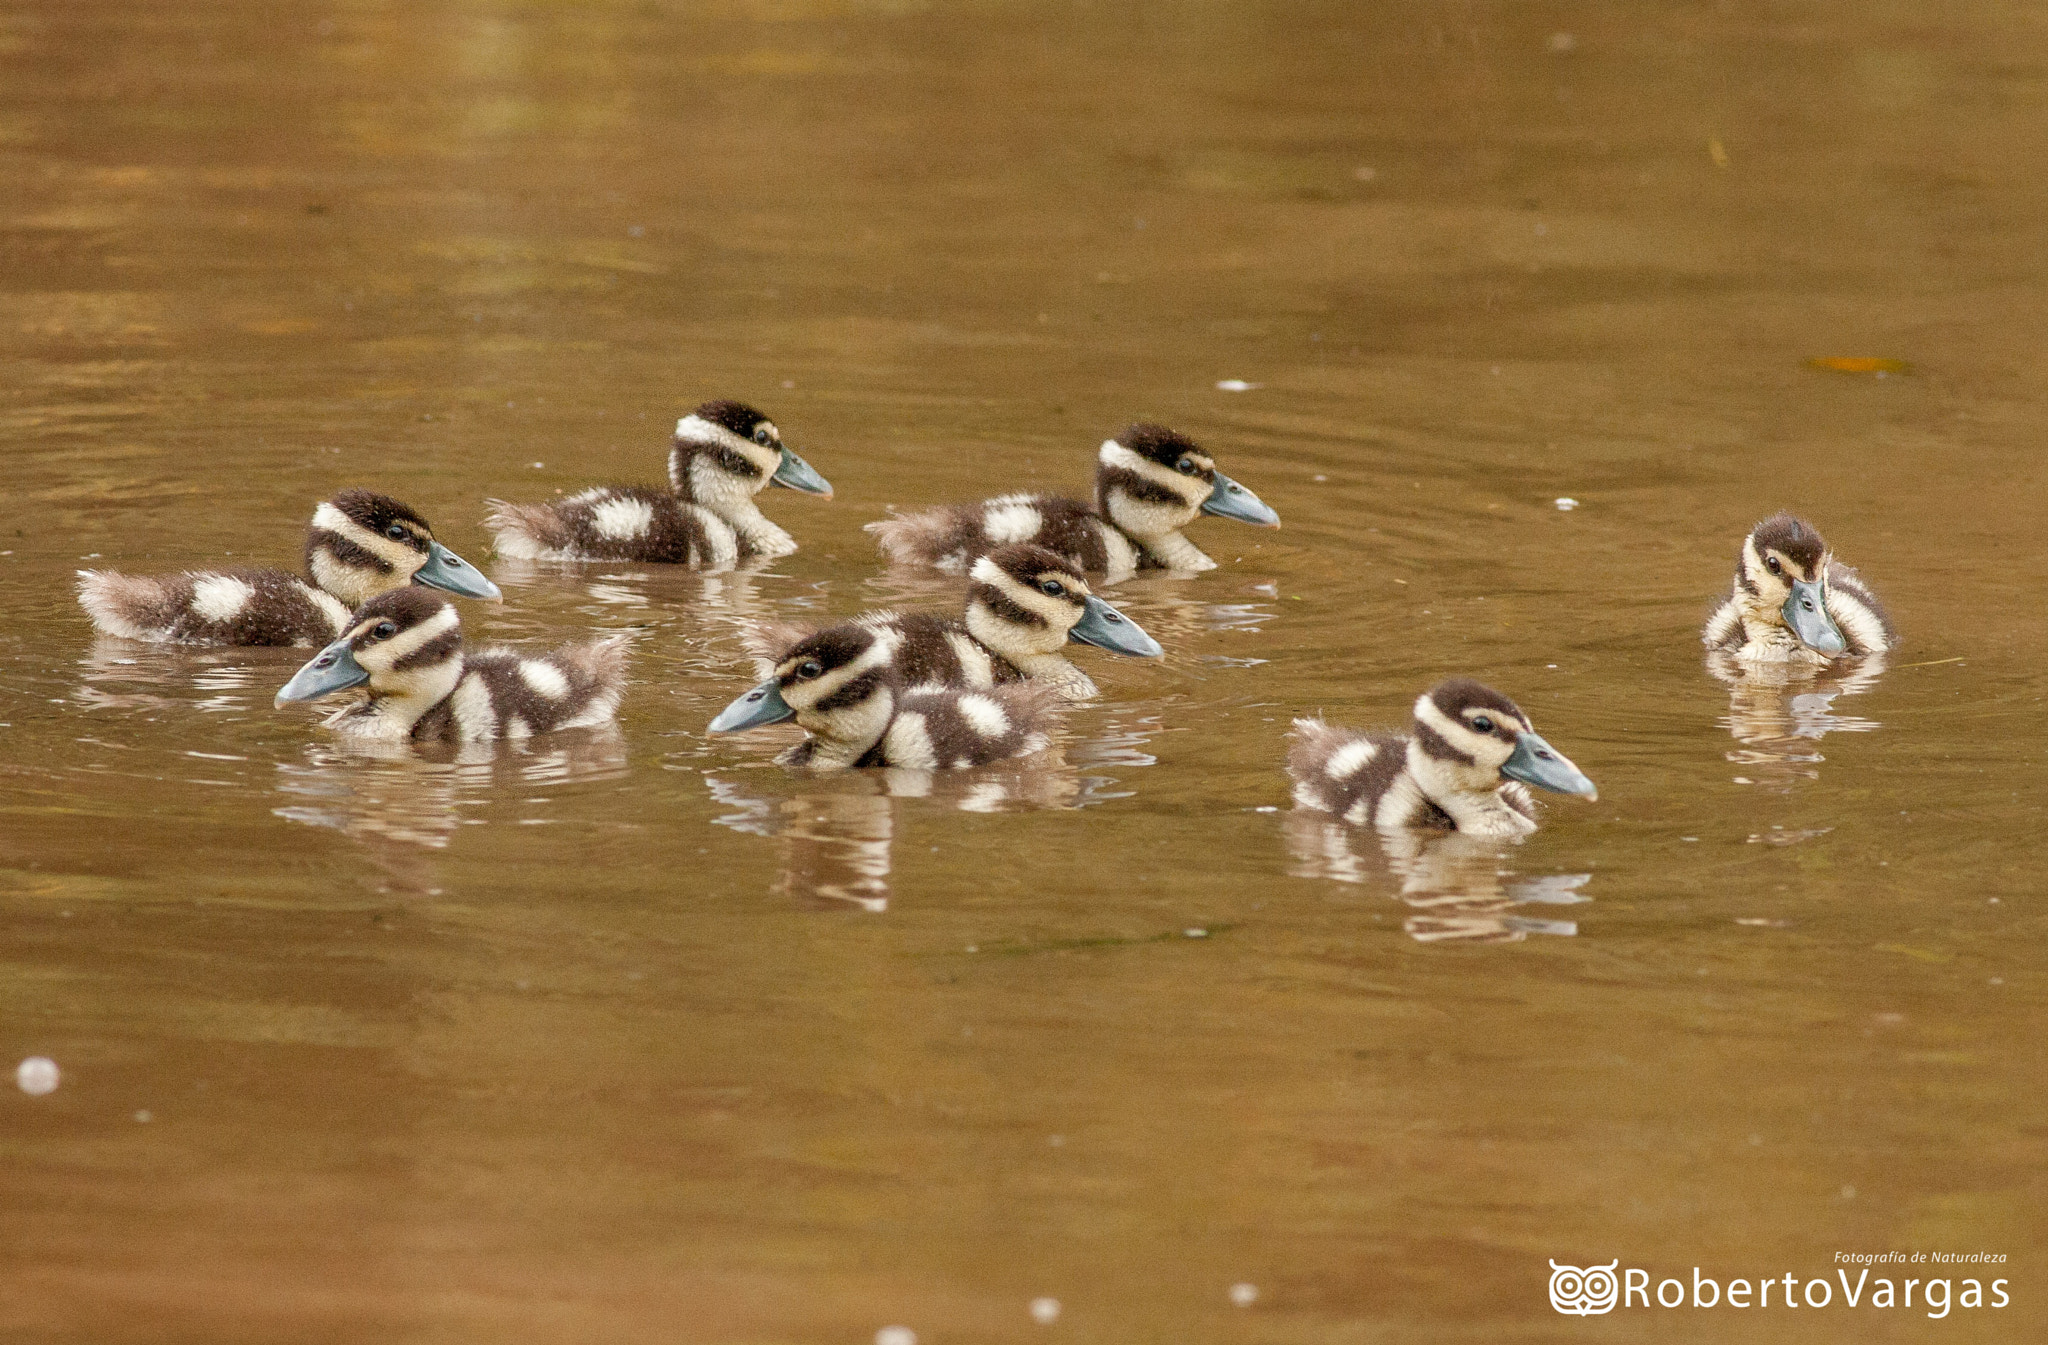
<point>505,694</point>
<point>235,607</point>
<point>950,729</point>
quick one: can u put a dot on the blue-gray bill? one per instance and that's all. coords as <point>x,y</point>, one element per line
<point>1537,763</point>
<point>1106,628</point>
<point>446,570</point>
<point>800,475</point>
<point>1806,612</point>
<point>762,705</point>
<point>1230,500</point>
<point>332,669</point>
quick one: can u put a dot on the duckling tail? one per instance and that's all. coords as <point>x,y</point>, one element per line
<point>527,531</point>
<point>932,537</point>
<point>132,606</point>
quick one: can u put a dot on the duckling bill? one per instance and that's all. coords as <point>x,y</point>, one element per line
<point>1465,764</point>
<point>724,454</point>
<point>360,544</point>
<point>1150,482</point>
<point>1793,602</point>
<point>406,647</point>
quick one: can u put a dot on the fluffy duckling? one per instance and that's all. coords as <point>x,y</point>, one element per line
<point>407,646</point>
<point>1024,606</point>
<point>361,544</point>
<point>841,688</point>
<point>1463,766</point>
<point>1793,602</point>
<point>724,454</point>
<point>1149,484</point>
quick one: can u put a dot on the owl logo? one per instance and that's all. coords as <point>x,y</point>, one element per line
<point>1584,1293</point>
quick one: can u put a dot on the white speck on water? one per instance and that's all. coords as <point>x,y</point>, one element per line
<point>1742,780</point>
<point>1266,808</point>
<point>1561,42</point>
<point>1989,901</point>
<point>973,947</point>
<point>144,1117</point>
<point>895,1335</point>
<point>508,406</point>
<point>788,383</point>
<point>536,465</point>
<point>1045,1311</point>
<point>1566,503</point>
<point>1236,385</point>
<point>636,230</point>
<point>37,1075</point>
<point>1496,371</point>
<point>1365,174</point>
<point>1196,933</point>
<point>1997,980</point>
<point>1244,1295</point>
<point>1319,476</point>
<point>1848,1193</point>
<point>1688,838</point>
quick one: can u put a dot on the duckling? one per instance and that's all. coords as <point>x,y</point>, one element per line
<point>1464,766</point>
<point>407,646</point>
<point>360,544</point>
<point>1793,602</point>
<point>840,687</point>
<point>724,453</point>
<point>1149,484</point>
<point>1024,605</point>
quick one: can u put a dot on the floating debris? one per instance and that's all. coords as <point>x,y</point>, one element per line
<point>1236,385</point>
<point>1045,1311</point>
<point>1195,933</point>
<point>1565,503</point>
<point>1244,1295</point>
<point>895,1335</point>
<point>37,1075</point>
<point>1762,922</point>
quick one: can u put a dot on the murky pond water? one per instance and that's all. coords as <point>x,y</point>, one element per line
<point>637,1037</point>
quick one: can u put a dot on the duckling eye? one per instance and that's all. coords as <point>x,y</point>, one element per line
<point>762,437</point>
<point>396,532</point>
<point>810,667</point>
<point>1771,564</point>
<point>1052,588</point>
<point>384,630</point>
<point>1482,723</point>
<point>1186,465</point>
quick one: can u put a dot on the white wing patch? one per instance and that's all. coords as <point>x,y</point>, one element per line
<point>545,678</point>
<point>909,742</point>
<point>1346,761</point>
<point>1013,521</point>
<point>476,719</point>
<point>220,597</point>
<point>622,520</point>
<point>984,716</point>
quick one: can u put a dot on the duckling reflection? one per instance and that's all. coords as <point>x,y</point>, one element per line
<point>234,679</point>
<point>405,801</point>
<point>836,837</point>
<point>1780,712</point>
<point>1458,884</point>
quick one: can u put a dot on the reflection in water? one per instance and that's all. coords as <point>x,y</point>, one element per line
<point>1458,885</point>
<point>115,671</point>
<point>1778,713</point>
<point>837,832</point>
<point>403,801</point>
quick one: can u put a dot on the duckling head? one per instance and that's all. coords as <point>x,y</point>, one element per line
<point>362,544</point>
<point>725,452</point>
<point>405,645</point>
<point>1472,738</point>
<point>1150,481</point>
<point>1025,601</point>
<point>1781,583</point>
<point>835,684</point>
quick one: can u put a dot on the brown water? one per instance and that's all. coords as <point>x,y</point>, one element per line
<point>639,1038</point>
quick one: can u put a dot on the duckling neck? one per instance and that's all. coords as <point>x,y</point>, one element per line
<point>1147,510</point>
<point>700,479</point>
<point>1175,552</point>
<point>1468,792</point>
<point>400,699</point>
<point>354,581</point>
<point>842,734</point>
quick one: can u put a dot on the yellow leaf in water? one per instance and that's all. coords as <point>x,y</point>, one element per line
<point>1857,364</point>
<point>1923,954</point>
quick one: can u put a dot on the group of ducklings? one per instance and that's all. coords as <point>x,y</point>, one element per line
<point>917,690</point>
